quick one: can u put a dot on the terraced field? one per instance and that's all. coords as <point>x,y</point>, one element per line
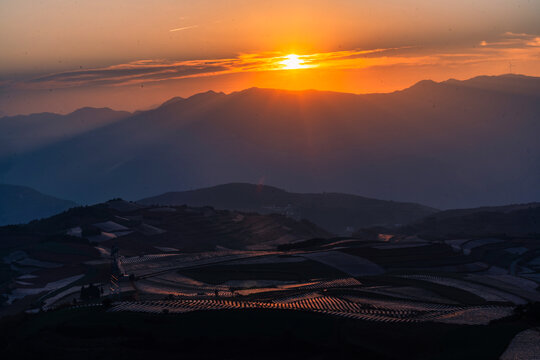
<point>332,306</point>
<point>486,292</point>
<point>181,263</point>
<point>201,229</point>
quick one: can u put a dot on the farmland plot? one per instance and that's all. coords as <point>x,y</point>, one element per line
<point>350,264</point>
<point>456,244</point>
<point>459,268</point>
<point>485,292</point>
<point>473,244</point>
<point>407,292</point>
<point>328,305</point>
<point>399,245</point>
<point>475,315</point>
<point>170,262</point>
<point>269,259</point>
<point>20,293</point>
<point>521,287</point>
<point>162,287</point>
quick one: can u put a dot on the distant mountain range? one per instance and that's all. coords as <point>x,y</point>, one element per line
<point>452,144</point>
<point>20,134</point>
<point>20,204</point>
<point>332,211</point>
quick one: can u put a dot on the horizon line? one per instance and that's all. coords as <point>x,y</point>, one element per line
<point>267,88</point>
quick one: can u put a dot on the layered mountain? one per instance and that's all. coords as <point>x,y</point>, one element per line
<point>23,133</point>
<point>333,211</point>
<point>20,204</point>
<point>453,144</point>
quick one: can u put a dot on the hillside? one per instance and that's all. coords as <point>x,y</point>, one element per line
<point>177,263</point>
<point>20,204</point>
<point>75,245</point>
<point>135,228</point>
<point>332,211</point>
<point>511,220</point>
<point>453,144</point>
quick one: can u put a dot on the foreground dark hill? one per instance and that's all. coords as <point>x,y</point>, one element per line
<point>135,228</point>
<point>332,211</point>
<point>511,220</point>
<point>74,246</point>
<point>454,144</point>
<point>200,281</point>
<point>19,204</point>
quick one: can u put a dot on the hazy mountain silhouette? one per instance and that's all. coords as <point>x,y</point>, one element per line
<point>509,83</point>
<point>20,204</point>
<point>332,211</point>
<point>26,132</point>
<point>447,145</point>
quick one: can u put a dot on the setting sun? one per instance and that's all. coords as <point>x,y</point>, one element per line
<point>292,62</point>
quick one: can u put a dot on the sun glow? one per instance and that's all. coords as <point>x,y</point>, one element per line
<point>292,62</point>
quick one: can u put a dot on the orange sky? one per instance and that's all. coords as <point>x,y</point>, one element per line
<point>58,55</point>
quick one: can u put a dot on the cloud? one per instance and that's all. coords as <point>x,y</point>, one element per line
<point>535,42</point>
<point>509,47</point>
<point>514,41</point>
<point>133,72</point>
<point>151,70</point>
<point>184,28</point>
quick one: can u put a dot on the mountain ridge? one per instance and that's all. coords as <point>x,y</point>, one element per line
<point>23,133</point>
<point>333,211</point>
<point>399,146</point>
<point>496,79</point>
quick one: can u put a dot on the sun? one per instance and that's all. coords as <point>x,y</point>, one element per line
<point>293,61</point>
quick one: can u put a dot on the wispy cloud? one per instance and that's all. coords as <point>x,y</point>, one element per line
<point>513,40</point>
<point>508,47</point>
<point>184,28</point>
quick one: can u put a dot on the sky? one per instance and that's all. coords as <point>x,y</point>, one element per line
<point>59,55</point>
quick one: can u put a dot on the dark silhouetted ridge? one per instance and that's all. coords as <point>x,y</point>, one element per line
<point>333,211</point>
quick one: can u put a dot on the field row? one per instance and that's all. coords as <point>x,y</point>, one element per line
<point>485,292</point>
<point>326,305</point>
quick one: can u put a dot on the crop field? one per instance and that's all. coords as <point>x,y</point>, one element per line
<point>349,264</point>
<point>523,288</point>
<point>486,292</point>
<point>472,245</point>
<point>211,264</point>
<point>407,257</point>
<point>389,312</point>
<point>22,292</point>
<point>356,280</point>
<point>296,271</point>
<point>407,292</point>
